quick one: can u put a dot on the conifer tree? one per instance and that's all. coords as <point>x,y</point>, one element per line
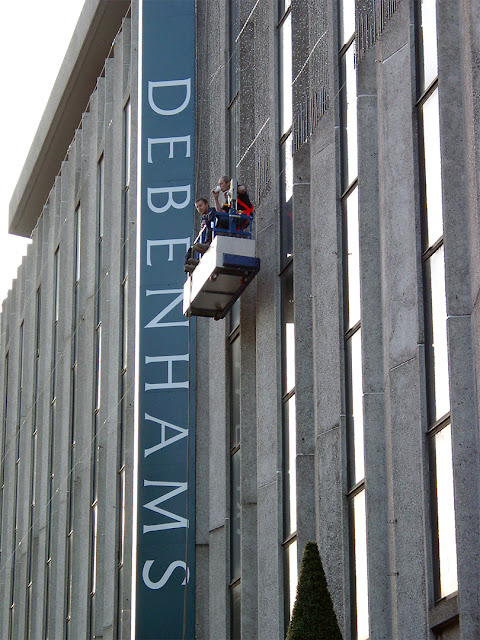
<point>313,615</point>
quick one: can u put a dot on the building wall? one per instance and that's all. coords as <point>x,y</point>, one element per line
<point>387,426</point>
<point>317,398</point>
<point>67,404</point>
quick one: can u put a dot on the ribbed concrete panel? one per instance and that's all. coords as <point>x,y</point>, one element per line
<point>131,90</point>
<point>39,241</point>
<point>59,409</point>
<point>112,341</point>
<point>3,445</point>
<point>24,436</point>
<point>83,391</point>
<point>3,450</point>
<point>43,416</point>
<point>10,558</point>
<point>94,313</point>
<point>103,294</point>
<point>48,399</point>
<point>64,387</point>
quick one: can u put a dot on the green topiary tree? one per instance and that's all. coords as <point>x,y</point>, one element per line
<point>313,615</point>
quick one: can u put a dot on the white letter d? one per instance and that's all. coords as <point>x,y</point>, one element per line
<point>169,83</point>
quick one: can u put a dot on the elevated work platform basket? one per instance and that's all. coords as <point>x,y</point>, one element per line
<point>223,273</point>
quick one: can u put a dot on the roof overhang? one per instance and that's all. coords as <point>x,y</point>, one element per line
<point>97,26</point>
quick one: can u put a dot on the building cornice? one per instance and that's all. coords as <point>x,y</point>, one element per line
<point>97,26</point>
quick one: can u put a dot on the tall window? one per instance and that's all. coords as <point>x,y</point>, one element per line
<point>234,89</point>
<point>289,437</point>
<point>98,395</point>
<point>235,458</point>
<point>234,345</point>
<point>127,118</point>
<point>289,427</point>
<point>33,467</point>
<point>352,323</point>
<point>51,439</point>
<point>438,392</point>
<point>285,141</point>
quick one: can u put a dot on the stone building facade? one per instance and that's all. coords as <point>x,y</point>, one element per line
<point>337,402</point>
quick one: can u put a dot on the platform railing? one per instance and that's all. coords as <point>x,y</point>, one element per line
<point>233,224</point>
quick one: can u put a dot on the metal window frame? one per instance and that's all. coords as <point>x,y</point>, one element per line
<point>434,426</point>
<point>234,448</point>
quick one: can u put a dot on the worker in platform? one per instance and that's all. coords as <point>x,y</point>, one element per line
<point>243,200</point>
<point>207,214</point>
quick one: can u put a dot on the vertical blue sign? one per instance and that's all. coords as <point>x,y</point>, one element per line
<point>166,488</point>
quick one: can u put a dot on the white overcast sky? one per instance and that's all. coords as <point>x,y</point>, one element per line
<point>35,37</point>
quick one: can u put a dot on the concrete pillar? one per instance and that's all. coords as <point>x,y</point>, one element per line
<point>112,320</point>
<point>65,239</point>
<point>407,466</point>
<point>219,521</point>
<point>376,484</point>
<point>85,371</point>
<point>43,416</point>
<point>460,214</point>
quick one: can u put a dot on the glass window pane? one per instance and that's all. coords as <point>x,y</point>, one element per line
<point>234,136</point>
<point>94,534</point>
<point>351,114</point>
<point>290,354</point>
<point>286,185</point>
<point>235,316</point>
<point>288,333</point>
<point>355,348</point>
<point>445,512</point>
<point>100,196</point>
<point>348,20</point>
<point>353,259</point>
<point>292,575</point>
<point>77,243</point>
<point>57,283</point>
<point>127,133</point>
<point>99,367</point>
<point>233,61</point>
<point>235,568</point>
<point>69,576</point>
<point>433,169</point>
<point>236,604</point>
<point>429,37</point>
<point>283,5</point>
<point>289,471</point>
<point>439,337</point>
<point>235,397</point>
<point>122,516</point>
<point>361,575</point>
<point>451,632</point>
<point>125,324</point>
<point>286,74</point>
